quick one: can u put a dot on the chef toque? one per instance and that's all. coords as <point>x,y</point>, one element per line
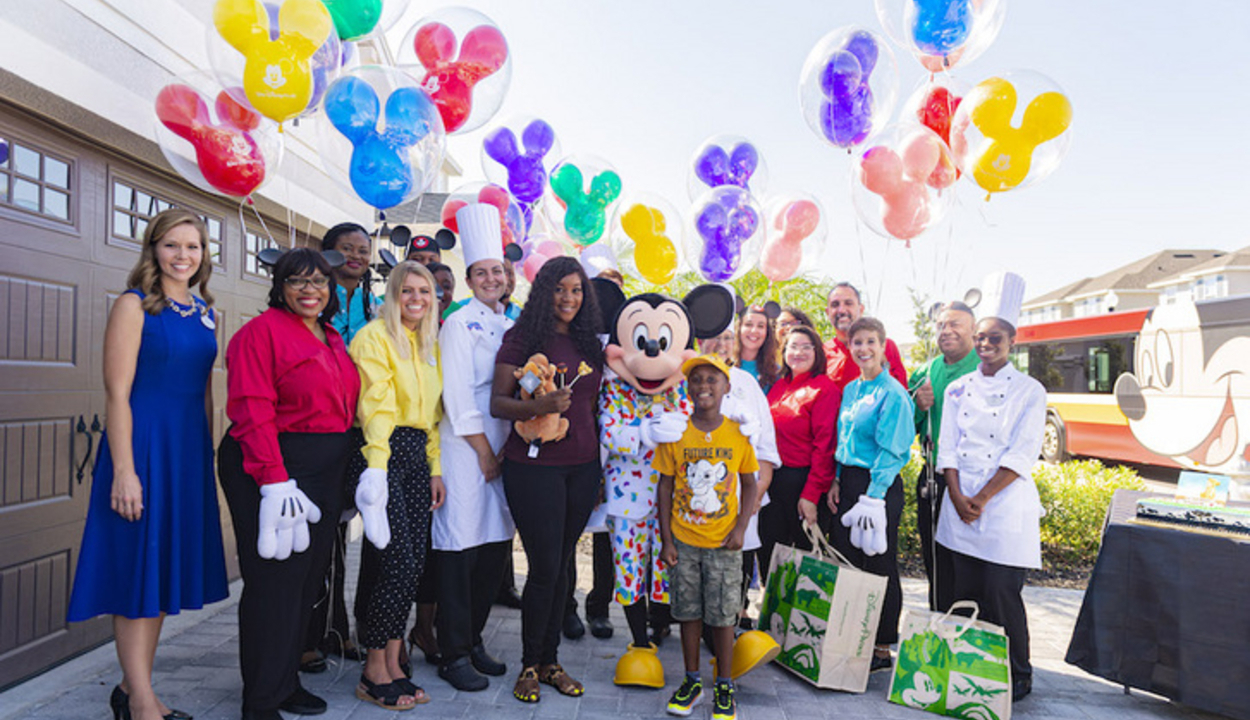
<point>480,235</point>
<point>1002,294</point>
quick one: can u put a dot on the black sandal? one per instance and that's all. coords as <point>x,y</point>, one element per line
<point>385,696</point>
<point>410,688</point>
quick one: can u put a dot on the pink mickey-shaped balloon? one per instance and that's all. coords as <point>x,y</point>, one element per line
<point>901,180</point>
<point>783,253</point>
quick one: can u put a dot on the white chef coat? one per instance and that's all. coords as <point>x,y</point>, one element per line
<point>990,422</point>
<point>746,397</point>
<point>475,512</point>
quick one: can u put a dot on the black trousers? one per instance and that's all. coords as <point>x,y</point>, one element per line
<point>602,581</point>
<point>937,558</point>
<point>468,584</point>
<point>328,627</point>
<point>854,482</point>
<point>397,570</point>
<point>998,590</point>
<point>779,519</point>
<point>550,505</point>
<point>275,608</point>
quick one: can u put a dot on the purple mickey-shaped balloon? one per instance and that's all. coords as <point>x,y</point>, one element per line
<point>846,112</point>
<point>724,226</point>
<point>714,167</point>
<point>526,175</point>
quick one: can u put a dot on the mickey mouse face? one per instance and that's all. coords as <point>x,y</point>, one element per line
<point>654,337</point>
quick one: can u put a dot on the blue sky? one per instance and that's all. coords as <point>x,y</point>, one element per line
<point>1159,154</point>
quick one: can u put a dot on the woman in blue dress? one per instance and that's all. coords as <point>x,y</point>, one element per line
<point>152,542</point>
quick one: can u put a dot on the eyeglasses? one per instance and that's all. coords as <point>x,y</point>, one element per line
<point>802,348</point>
<point>787,323</point>
<point>299,283</point>
<point>991,338</point>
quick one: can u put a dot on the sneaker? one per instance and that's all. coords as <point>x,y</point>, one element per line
<point>687,696</point>
<point>880,663</point>
<point>723,705</point>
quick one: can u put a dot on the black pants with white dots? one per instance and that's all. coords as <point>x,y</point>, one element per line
<point>401,564</point>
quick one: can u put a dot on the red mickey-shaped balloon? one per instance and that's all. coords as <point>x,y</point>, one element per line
<point>227,156</point>
<point>449,80</point>
<point>936,110</point>
<point>490,195</point>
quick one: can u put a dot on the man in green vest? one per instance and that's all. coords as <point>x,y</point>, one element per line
<point>928,389</point>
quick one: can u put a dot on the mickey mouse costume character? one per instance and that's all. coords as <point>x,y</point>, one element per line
<point>645,404</point>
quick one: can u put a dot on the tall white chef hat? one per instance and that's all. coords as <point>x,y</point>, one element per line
<point>1002,294</point>
<point>480,234</point>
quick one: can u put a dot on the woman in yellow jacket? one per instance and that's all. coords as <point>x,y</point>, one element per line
<point>400,473</point>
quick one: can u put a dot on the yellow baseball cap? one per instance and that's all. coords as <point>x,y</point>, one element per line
<point>694,362</point>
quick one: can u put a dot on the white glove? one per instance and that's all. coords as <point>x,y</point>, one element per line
<point>867,523</point>
<point>661,428</point>
<point>736,411</point>
<point>371,497</point>
<point>285,512</point>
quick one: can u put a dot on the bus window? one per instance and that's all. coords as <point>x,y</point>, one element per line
<point>1020,358</point>
<point>1108,359</point>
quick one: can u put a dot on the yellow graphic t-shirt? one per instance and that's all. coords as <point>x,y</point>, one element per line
<point>705,468</point>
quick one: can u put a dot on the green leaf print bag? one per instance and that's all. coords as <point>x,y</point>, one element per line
<point>953,665</point>
<point>823,612</point>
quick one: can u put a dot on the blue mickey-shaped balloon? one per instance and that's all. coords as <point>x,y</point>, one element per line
<point>725,224</point>
<point>846,111</point>
<point>941,26</point>
<point>526,175</point>
<point>381,170</point>
<point>715,167</point>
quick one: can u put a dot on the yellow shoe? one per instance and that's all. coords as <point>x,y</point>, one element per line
<point>751,649</point>
<point>641,667</point>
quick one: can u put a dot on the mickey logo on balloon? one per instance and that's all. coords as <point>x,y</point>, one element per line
<point>450,80</point>
<point>227,156</point>
<point>1004,157</point>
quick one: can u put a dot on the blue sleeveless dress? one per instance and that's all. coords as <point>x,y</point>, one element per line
<point>171,558</point>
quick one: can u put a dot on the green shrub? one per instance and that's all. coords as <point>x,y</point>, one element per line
<point>1076,496</point>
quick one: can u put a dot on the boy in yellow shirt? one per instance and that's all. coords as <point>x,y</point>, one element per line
<point>701,529</point>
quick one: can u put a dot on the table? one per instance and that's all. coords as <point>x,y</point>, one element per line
<point>1168,611</point>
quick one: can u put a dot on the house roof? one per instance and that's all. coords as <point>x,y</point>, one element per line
<point>425,210</point>
<point>1235,259</point>
<point>1137,275</point>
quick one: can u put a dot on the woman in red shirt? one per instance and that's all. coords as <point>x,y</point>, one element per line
<point>292,398</point>
<point>805,404</point>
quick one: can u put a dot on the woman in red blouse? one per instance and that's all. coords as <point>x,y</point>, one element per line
<point>805,404</point>
<point>292,398</point>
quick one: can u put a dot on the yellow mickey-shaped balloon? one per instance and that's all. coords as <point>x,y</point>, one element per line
<point>277,76</point>
<point>1005,156</point>
<point>654,253</point>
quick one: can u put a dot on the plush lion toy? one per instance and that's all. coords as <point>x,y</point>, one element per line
<point>543,428</point>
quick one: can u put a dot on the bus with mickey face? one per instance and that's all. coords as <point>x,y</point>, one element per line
<point>1165,386</point>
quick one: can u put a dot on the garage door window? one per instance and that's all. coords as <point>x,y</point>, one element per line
<point>34,180</point>
<point>134,207</point>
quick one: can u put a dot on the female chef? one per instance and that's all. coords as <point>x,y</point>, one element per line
<point>473,529</point>
<point>992,427</point>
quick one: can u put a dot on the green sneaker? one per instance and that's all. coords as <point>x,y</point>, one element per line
<point>723,705</point>
<point>687,696</point>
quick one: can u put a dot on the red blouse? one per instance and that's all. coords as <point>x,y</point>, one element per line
<point>842,369</point>
<point>805,412</point>
<point>281,379</point>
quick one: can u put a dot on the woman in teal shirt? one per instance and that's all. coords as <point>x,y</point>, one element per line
<point>875,432</point>
<point>358,305</point>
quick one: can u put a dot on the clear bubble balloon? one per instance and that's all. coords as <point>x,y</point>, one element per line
<point>794,236</point>
<point>212,141</point>
<point>537,251</point>
<point>942,34</point>
<point>647,237</point>
<point>381,136</point>
<point>519,155</point>
<point>597,258</point>
<point>511,221</point>
<point>726,227</point>
<point>934,102</point>
<point>848,86</point>
<point>276,57</point>
<point>584,190</point>
<point>727,160</point>
<point>462,60</point>
<point>901,186</point>
<point>1012,131</point>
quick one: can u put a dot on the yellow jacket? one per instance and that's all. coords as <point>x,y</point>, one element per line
<point>396,392</point>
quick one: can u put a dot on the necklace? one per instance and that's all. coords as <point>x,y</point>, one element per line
<point>178,307</point>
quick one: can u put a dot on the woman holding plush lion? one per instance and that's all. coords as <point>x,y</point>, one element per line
<point>551,479</point>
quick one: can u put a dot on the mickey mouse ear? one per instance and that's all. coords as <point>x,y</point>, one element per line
<point>935,310</point>
<point>740,305</point>
<point>445,238</point>
<point>388,258</point>
<point>401,236</point>
<point>972,298</point>
<point>334,257</point>
<point>269,256</point>
<point>711,309</point>
<point>772,309</point>
<point>513,252</point>
<point>611,298</point>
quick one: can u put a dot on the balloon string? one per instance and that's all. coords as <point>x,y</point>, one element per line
<point>263,225</point>
<point>863,263</point>
<point>885,263</point>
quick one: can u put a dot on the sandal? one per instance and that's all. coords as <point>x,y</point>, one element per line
<point>385,696</point>
<point>526,689</point>
<point>555,676</point>
<point>410,688</point>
